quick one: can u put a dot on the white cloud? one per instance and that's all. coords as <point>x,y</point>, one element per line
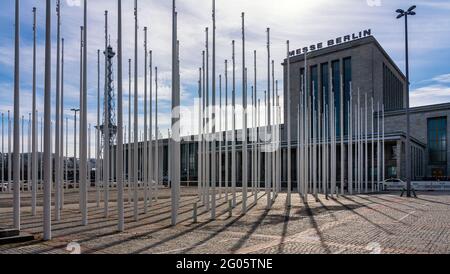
<point>430,95</point>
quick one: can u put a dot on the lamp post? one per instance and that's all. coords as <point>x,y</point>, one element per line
<point>402,13</point>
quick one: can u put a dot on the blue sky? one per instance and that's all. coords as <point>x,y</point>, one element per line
<point>302,22</point>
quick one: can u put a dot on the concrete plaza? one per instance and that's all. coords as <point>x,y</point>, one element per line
<point>378,223</point>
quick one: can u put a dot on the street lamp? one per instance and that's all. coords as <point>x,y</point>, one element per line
<point>75,110</point>
<point>402,13</point>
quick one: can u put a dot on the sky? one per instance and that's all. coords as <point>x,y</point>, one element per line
<point>299,21</point>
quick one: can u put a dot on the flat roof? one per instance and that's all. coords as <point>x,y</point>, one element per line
<point>345,46</point>
<point>421,109</point>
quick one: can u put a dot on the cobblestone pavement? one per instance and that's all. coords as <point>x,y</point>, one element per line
<point>378,223</point>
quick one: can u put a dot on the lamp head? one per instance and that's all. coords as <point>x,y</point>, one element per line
<point>412,8</point>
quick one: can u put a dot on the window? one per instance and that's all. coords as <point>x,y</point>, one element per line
<point>325,90</point>
<point>347,89</point>
<point>336,74</point>
<point>314,85</point>
<point>314,92</point>
<point>437,140</point>
<point>392,90</point>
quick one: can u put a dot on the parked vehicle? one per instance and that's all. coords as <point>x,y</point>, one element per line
<point>393,184</point>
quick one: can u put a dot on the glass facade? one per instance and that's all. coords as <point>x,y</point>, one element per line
<point>437,140</point>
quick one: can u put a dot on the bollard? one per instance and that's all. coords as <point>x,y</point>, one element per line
<point>195,213</point>
<point>230,209</point>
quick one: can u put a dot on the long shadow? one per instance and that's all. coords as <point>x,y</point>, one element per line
<point>115,232</point>
<point>287,215</point>
<point>373,209</point>
<point>142,234</point>
<point>213,235</point>
<point>433,202</point>
<point>95,212</point>
<point>364,217</point>
<point>193,229</point>
<point>111,224</point>
<point>327,208</point>
<point>99,215</point>
<point>397,202</point>
<point>384,204</point>
<point>316,227</point>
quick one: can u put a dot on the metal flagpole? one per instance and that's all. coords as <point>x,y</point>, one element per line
<point>342,130</point>
<point>213,116</point>
<point>220,137</point>
<point>383,173</point>
<point>67,153</point>
<point>258,169</point>
<point>350,145</point>
<point>244,129</point>
<point>289,164</point>
<point>157,136</point>
<point>145,144</point>
<point>120,166</point>
<point>3,156</point>
<point>378,148</point>
<point>42,154</point>
<point>207,144</point>
<point>272,139</point>
<point>227,172</point>
<point>22,157</point>
<point>34,139</point>
<point>267,165</point>
<point>175,176</point>
<point>199,161</point>
<point>83,128</point>
<point>97,141</point>
<point>278,165</point>
<point>233,143</point>
<point>366,158</point>
<point>332,132</point>
<point>75,147</point>
<point>150,158</point>
<point>136,129</point>
<point>120,156</point>
<point>16,160</point>
<point>106,126</point>
<point>204,131</point>
<point>29,153</point>
<point>358,145</point>
<point>373,147</point>
<point>129,160</point>
<point>9,153</point>
<point>62,159</point>
<point>254,91</point>
<point>58,115</point>
<point>47,126</point>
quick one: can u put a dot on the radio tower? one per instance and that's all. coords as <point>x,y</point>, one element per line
<point>110,115</point>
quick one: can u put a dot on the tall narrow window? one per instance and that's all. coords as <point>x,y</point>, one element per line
<point>437,140</point>
<point>347,87</point>
<point>336,74</point>
<point>325,89</point>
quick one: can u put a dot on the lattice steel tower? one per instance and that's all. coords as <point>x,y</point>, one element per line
<point>110,112</point>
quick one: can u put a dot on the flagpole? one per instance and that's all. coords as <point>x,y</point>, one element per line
<point>34,162</point>
<point>47,129</point>
<point>16,160</point>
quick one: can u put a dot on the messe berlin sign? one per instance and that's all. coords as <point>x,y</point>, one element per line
<point>332,42</point>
